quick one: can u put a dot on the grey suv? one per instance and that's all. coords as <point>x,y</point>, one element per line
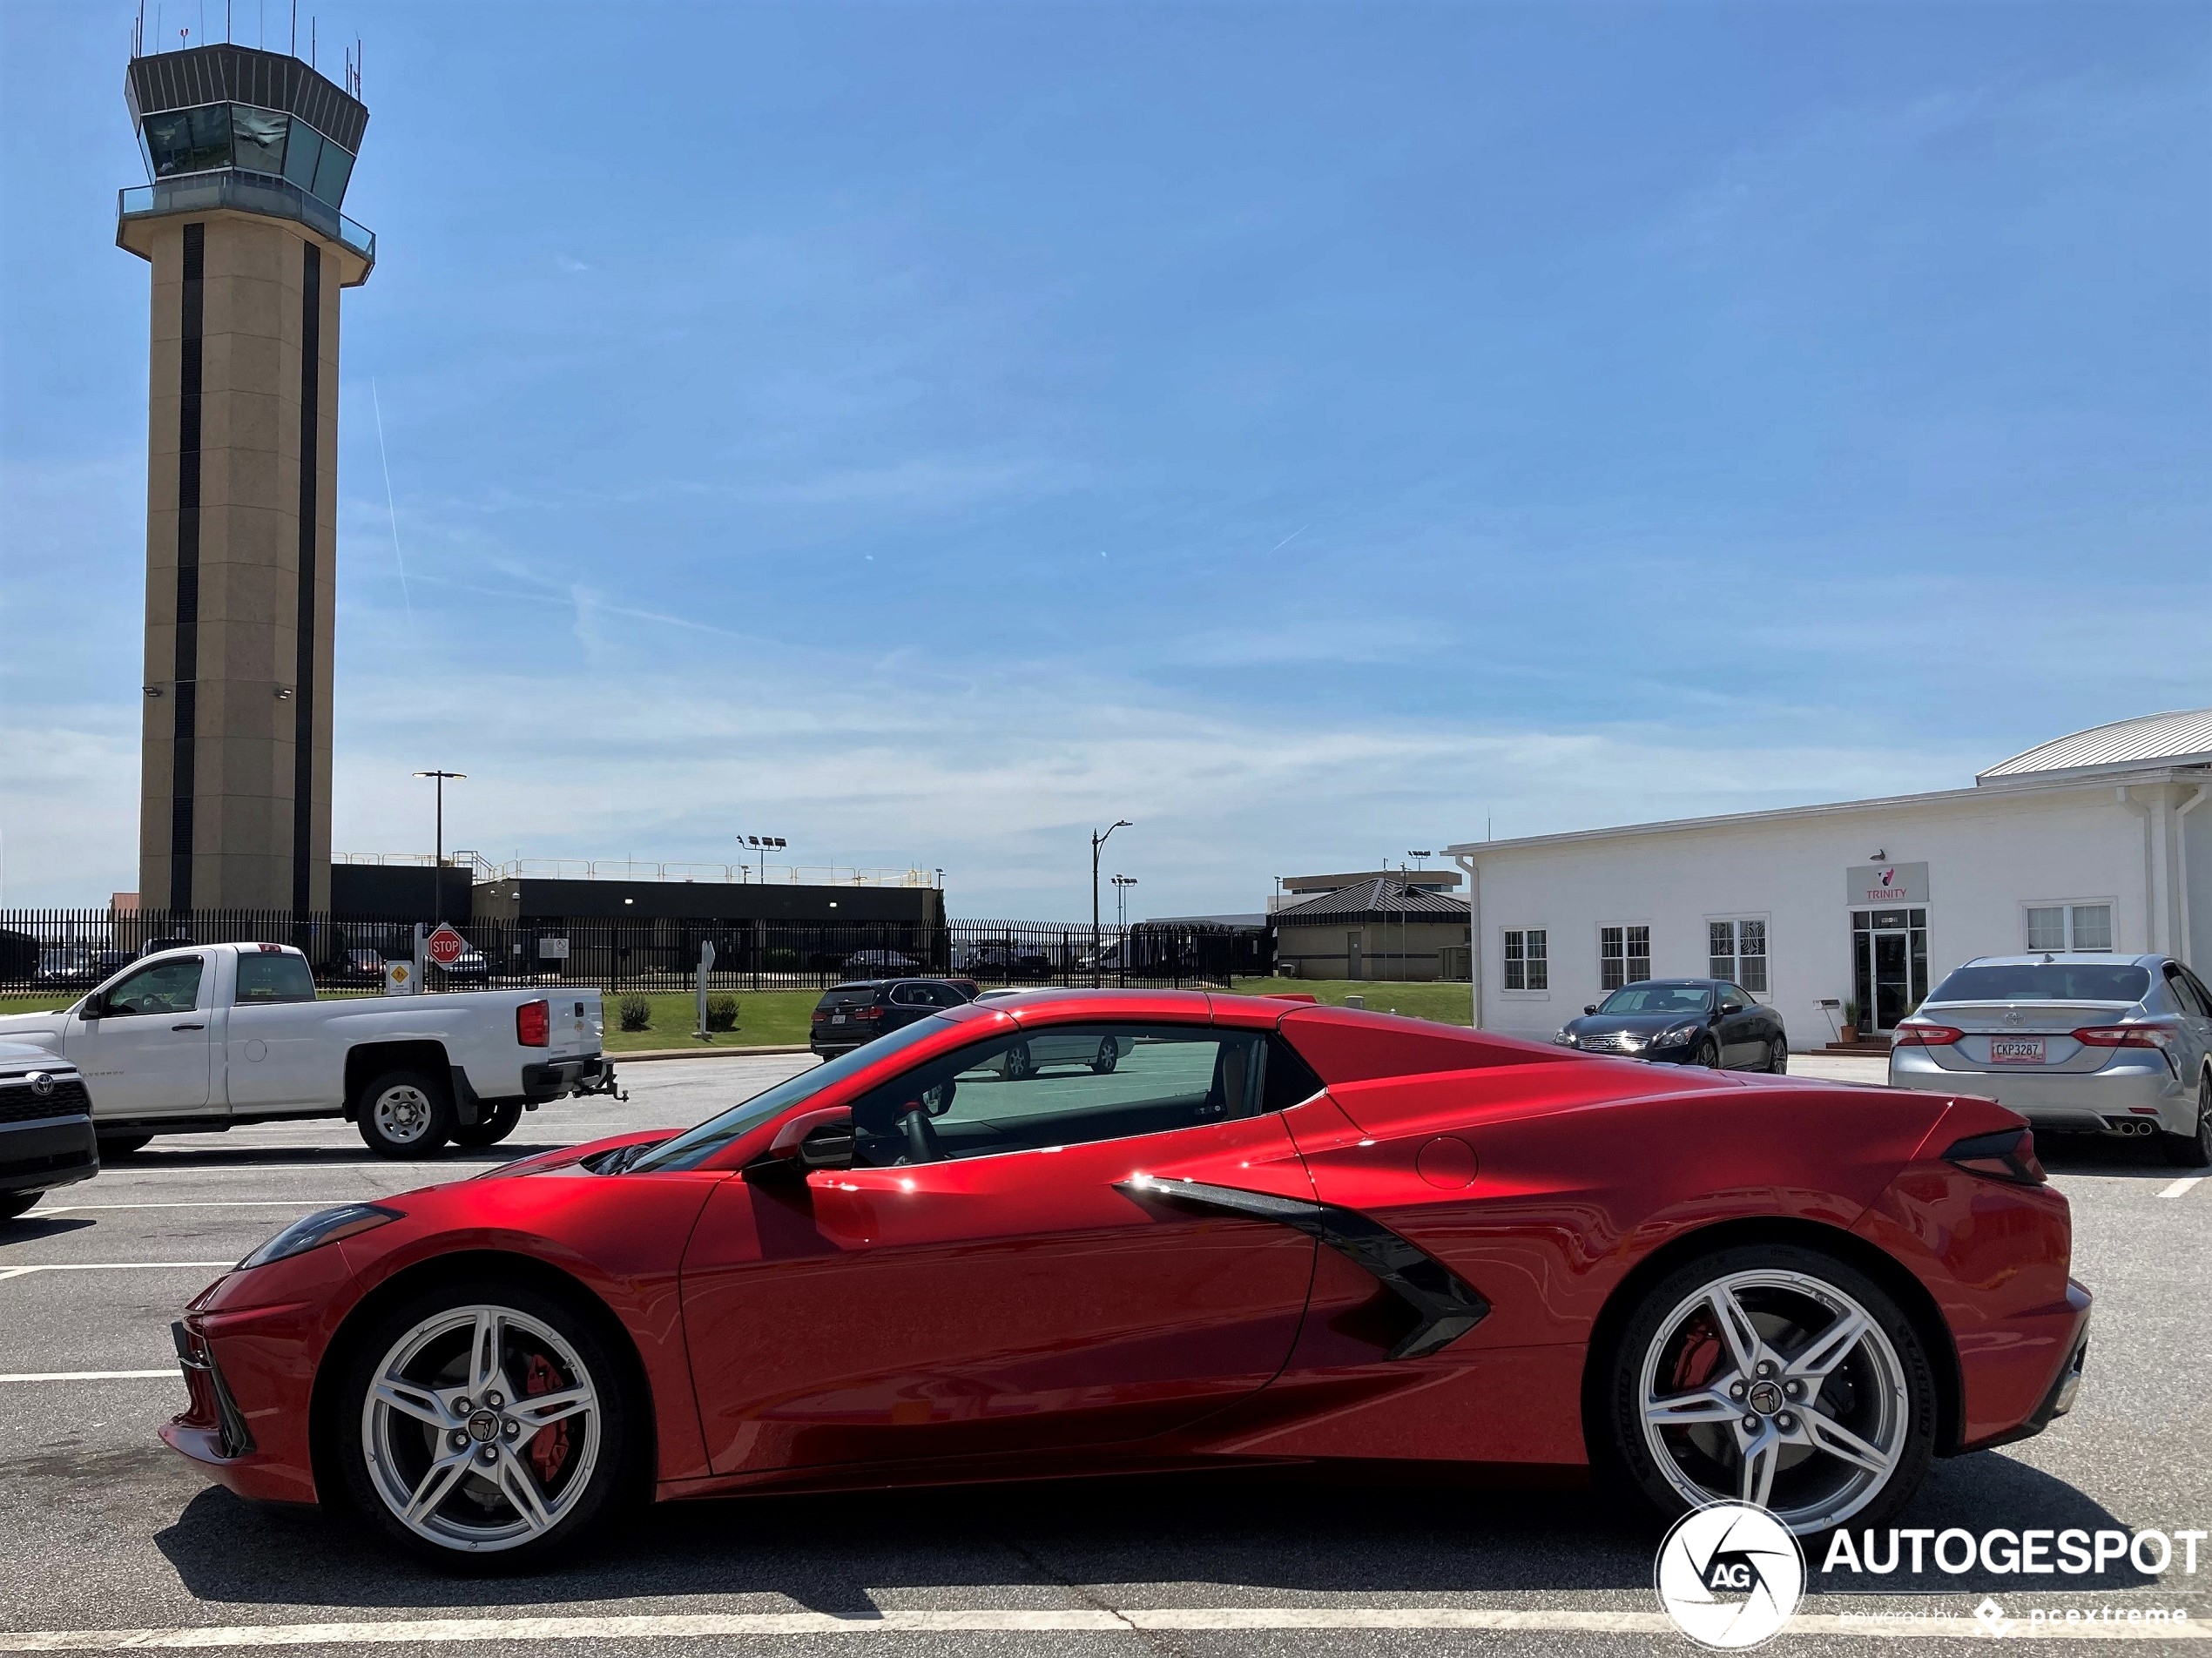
<point>2102,1043</point>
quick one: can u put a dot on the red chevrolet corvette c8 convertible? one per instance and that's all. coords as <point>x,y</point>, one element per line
<point>1266,1233</point>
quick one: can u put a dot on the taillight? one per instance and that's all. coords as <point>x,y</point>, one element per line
<point>2124,1036</point>
<point>534,1024</point>
<point>2009,1154</point>
<point>1925,1035</point>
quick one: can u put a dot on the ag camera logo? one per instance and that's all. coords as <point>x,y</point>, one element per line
<point>1729,1575</point>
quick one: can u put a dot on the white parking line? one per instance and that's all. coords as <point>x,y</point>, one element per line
<point>90,1375</point>
<point>2182,1185</point>
<point>724,1625</point>
<point>105,1266</point>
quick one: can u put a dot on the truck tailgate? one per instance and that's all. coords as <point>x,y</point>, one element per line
<point>578,1026</point>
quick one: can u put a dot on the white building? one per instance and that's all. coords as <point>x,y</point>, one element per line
<point>2100,840</point>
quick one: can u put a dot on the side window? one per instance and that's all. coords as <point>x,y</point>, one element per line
<point>2203,996</point>
<point>2184,992</point>
<point>1062,1086</point>
<point>164,987</point>
<point>274,976</point>
<point>908,996</point>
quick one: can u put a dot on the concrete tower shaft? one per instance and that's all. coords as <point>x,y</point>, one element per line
<point>249,154</point>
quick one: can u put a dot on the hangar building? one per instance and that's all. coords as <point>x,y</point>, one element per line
<point>2102,840</point>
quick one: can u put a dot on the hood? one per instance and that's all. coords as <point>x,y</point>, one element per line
<point>40,1030</point>
<point>13,1054</point>
<point>569,1157</point>
<point>1641,1024</point>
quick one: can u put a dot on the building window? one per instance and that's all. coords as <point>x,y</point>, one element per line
<point>1736,951</point>
<point>2069,927</point>
<point>1624,955</point>
<point>1527,959</point>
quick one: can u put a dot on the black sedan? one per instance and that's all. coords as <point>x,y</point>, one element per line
<point>1683,1022</point>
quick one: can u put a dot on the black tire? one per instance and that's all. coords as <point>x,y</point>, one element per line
<point>1892,1385</point>
<point>2194,1150</point>
<point>1708,1054</point>
<point>495,1123</point>
<point>404,1114</point>
<point>18,1205</point>
<point>115,1146</point>
<point>1019,1066</point>
<point>609,1469</point>
<point>1777,1057</point>
<point>1110,1055</point>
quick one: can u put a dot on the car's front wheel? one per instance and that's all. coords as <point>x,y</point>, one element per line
<point>116,1146</point>
<point>1775,1375</point>
<point>15,1203</point>
<point>483,1421</point>
<point>1777,1057</point>
<point>1708,1054</point>
<point>1109,1056</point>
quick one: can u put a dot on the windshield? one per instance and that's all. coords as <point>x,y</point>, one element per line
<point>1649,998</point>
<point>2046,981</point>
<point>694,1146</point>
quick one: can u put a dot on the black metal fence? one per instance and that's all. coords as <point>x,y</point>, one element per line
<point>64,951</point>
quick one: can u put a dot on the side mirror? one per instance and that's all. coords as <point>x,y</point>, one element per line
<point>93,1006</point>
<point>1590,1007</point>
<point>812,1140</point>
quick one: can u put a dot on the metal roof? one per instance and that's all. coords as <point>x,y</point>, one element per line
<point>1390,897</point>
<point>2182,737</point>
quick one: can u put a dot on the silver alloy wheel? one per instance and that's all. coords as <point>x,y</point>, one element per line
<point>451,1431</point>
<point>403,1113</point>
<point>1799,1406</point>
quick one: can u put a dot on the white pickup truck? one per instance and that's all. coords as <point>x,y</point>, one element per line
<point>220,1034</point>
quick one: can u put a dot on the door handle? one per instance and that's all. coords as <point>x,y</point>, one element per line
<point>188,1028</point>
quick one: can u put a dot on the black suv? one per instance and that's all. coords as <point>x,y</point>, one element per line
<point>863,1010</point>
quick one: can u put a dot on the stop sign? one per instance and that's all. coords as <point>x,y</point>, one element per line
<point>444,945</point>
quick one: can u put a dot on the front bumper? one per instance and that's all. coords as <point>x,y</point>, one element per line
<point>2093,1101</point>
<point>47,1152</point>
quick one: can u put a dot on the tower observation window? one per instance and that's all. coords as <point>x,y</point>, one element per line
<point>188,140</point>
<point>257,138</point>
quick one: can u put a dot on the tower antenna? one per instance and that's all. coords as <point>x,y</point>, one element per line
<point>294,48</point>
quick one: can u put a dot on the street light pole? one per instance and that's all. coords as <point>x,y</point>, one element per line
<point>1122,884</point>
<point>1097,841</point>
<point>438,859</point>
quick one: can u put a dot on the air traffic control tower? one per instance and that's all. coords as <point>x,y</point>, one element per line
<point>249,154</point>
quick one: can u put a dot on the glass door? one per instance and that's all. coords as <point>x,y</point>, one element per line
<point>1889,965</point>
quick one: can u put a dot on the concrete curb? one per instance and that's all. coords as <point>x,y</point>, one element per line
<point>621,1059</point>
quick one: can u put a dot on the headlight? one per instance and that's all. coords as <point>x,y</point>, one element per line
<point>1675,1035</point>
<point>323,1226</point>
<point>1564,1040</point>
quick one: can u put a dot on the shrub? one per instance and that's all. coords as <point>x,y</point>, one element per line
<point>636,1012</point>
<point>721,1013</point>
<point>780,961</point>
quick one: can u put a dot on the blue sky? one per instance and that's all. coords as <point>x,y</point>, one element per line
<point>925,431</point>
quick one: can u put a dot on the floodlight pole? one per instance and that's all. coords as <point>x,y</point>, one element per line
<point>438,858</point>
<point>1098,840</point>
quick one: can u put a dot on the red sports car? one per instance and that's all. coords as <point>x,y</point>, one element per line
<point>1268,1233</point>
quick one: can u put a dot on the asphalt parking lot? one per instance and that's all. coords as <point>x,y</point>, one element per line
<point>110,1542</point>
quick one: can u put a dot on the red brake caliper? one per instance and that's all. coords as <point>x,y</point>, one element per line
<point>549,1446</point>
<point>1699,1354</point>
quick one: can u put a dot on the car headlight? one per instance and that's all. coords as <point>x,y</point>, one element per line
<point>1676,1035</point>
<point>323,1226</point>
<point>1564,1039</point>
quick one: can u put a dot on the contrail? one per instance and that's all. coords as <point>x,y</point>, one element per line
<point>1287,540</point>
<point>390,507</point>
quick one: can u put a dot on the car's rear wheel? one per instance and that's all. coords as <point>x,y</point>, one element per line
<point>404,1114</point>
<point>2194,1150</point>
<point>493,1126</point>
<point>122,1145</point>
<point>483,1421</point>
<point>16,1203</point>
<point>1109,1056</point>
<point>1775,1375</point>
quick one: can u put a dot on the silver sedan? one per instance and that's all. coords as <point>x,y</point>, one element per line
<point>2119,1045</point>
